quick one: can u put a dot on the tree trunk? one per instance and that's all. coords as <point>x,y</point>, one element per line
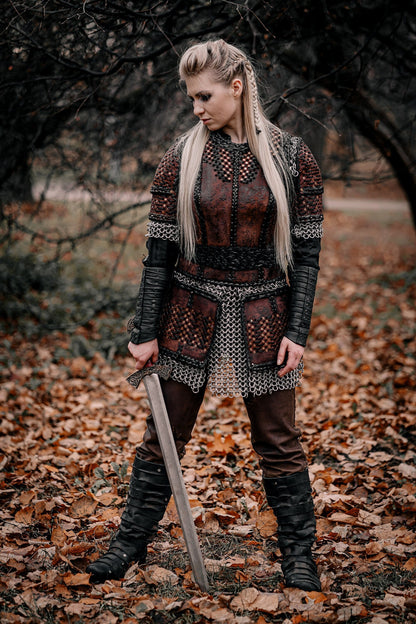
<point>17,186</point>
<point>384,136</point>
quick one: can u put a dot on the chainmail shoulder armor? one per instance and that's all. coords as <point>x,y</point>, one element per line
<point>165,231</point>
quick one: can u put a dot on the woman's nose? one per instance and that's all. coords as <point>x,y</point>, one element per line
<point>198,109</point>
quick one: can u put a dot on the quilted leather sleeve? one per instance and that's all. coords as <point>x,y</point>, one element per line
<point>306,245</point>
<point>308,213</point>
<point>165,185</point>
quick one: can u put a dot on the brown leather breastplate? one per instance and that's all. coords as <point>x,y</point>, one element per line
<point>234,210</point>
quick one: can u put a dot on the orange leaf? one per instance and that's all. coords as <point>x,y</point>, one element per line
<point>24,515</point>
<point>109,499</point>
<point>266,523</point>
<point>83,507</point>
<point>251,599</point>
<point>317,596</point>
<point>373,548</point>
<point>26,497</point>
<point>225,516</point>
<point>50,468</point>
<point>80,367</point>
<point>241,576</point>
<point>58,536</point>
<point>73,580</point>
<point>410,564</point>
<point>220,445</point>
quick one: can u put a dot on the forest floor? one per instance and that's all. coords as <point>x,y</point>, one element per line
<point>69,427</point>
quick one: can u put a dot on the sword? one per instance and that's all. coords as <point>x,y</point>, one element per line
<point>150,377</point>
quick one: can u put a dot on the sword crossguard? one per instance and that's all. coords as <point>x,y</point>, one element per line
<point>162,370</point>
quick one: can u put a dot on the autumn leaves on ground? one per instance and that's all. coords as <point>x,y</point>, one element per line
<point>70,425</point>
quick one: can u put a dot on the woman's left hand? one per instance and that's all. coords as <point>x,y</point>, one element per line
<point>290,353</point>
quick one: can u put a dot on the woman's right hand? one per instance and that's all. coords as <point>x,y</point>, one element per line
<point>145,354</point>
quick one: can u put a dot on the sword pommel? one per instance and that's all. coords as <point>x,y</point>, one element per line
<point>162,370</point>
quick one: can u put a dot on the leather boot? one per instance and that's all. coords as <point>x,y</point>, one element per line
<point>291,500</point>
<point>149,494</point>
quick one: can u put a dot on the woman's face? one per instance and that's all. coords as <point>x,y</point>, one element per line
<point>216,104</point>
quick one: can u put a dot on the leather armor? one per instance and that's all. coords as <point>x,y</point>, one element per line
<point>235,217</point>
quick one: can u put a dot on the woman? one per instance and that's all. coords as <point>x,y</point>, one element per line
<point>236,216</point>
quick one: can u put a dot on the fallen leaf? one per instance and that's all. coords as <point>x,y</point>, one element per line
<point>410,564</point>
<point>73,580</point>
<point>266,523</point>
<point>58,536</point>
<point>347,613</point>
<point>24,515</point>
<point>221,445</point>
<point>154,575</point>
<point>83,507</point>
<point>251,599</point>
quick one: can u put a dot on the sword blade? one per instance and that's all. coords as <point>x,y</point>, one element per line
<point>173,469</point>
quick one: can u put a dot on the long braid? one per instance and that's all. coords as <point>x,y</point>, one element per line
<point>251,79</point>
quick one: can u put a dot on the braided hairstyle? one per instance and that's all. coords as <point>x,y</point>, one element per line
<point>226,62</point>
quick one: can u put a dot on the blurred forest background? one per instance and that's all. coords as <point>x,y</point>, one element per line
<point>89,102</point>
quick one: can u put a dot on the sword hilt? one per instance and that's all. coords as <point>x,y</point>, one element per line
<point>162,370</point>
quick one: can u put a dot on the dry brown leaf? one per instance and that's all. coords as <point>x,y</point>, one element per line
<point>410,564</point>
<point>318,596</point>
<point>251,599</point>
<point>211,610</point>
<point>266,523</point>
<point>26,497</point>
<point>221,445</point>
<point>368,518</point>
<point>342,517</point>
<point>58,536</point>
<point>373,548</point>
<point>80,367</point>
<point>106,617</point>
<point>74,580</point>
<point>78,608</point>
<point>154,574</point>
<point>24,515</point>
<point>225,516</point>
<point>83,507</point>
<point>347,613</point>
<point>109,499</point>
<point>144,606</point>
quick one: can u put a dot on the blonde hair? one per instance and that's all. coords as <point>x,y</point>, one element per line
<point>227,62</point>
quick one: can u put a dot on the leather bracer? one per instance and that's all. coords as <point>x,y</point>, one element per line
<point>303,285</point>
<point>144,326</point>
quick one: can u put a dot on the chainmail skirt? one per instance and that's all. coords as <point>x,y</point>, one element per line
<point>226,370</point>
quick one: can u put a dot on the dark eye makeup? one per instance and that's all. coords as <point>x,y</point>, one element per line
<point>204,97</point>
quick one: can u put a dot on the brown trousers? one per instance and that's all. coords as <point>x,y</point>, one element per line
<point>274,435</point>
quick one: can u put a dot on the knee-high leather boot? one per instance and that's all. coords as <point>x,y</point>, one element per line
<point>291,500</point>
<point>149,494</point>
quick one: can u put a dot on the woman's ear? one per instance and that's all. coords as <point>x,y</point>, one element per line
<point>237,86</point>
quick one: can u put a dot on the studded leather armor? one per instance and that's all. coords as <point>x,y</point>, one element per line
<point>227,311</point>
